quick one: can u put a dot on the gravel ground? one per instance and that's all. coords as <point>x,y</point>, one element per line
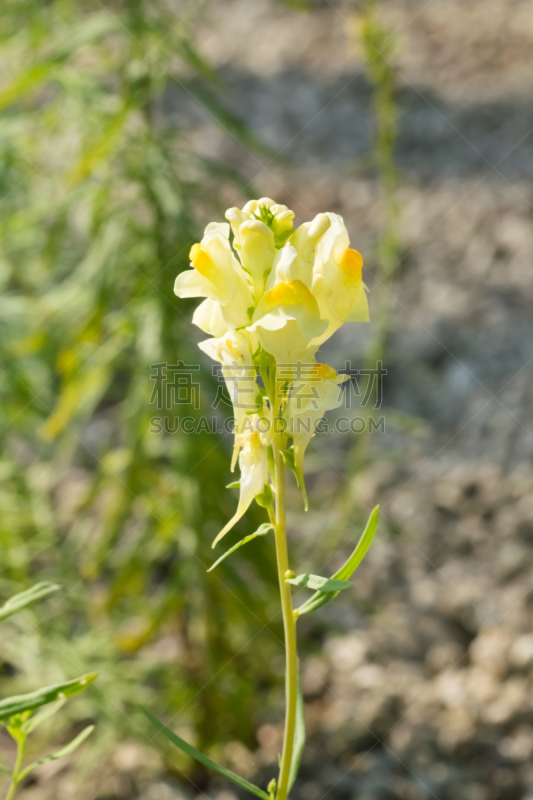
<point>428,695</point>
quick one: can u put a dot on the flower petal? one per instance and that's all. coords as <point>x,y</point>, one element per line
<point>253,462</point>
<point>208,317</point>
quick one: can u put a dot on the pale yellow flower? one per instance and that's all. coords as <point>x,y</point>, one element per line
<point>253,464</point>
<point>234,351</point>
<point>208,317</point>
<point>337,279</point>
<point>286,321</point>
<point>305,240</point>
<point>314,391</point>
<point>217,275</point>
<point>287,318</point>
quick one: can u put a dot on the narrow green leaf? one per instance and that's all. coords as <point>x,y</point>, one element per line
<point>317,582</point>
<point>299,737</point>
<point>27,702</point>
<point>64,751</point>
<point>234,485</point>
<point>262,529</point>
<point>24,599</point>
<point>320,598</point>
<point>41,716</point>
<point>203,759</point>
<point>361,549</point>
<point>288,457</point>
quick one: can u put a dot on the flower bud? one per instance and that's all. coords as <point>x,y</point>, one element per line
<point>257,252</point>
<point>305,240</point>
<point>281,224</point>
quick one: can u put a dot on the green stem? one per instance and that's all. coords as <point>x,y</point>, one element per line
<point>289,623</point>
<point>21,743</point>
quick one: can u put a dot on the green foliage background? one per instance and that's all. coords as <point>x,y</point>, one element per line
<point>101,200</point>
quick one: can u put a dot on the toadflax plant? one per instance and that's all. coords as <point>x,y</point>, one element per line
<point>274,295</point>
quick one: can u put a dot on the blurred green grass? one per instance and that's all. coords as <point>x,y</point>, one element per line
<point>101,199</point>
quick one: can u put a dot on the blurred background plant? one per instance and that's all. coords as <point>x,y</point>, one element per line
<point>101,201</point>
<point>379,47</point>
<point>23,714</point>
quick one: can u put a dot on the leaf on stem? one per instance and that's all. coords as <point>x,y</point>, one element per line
<point>299,737</point>
<point>262,529</point>
<point>24,599</point>
<point>320,598</point>
<point>41,716</point>
<point>203,759</point>
<point>288,458</point>
<point>27,702</point>
<point>317,582</point>
<point>64,751</point>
